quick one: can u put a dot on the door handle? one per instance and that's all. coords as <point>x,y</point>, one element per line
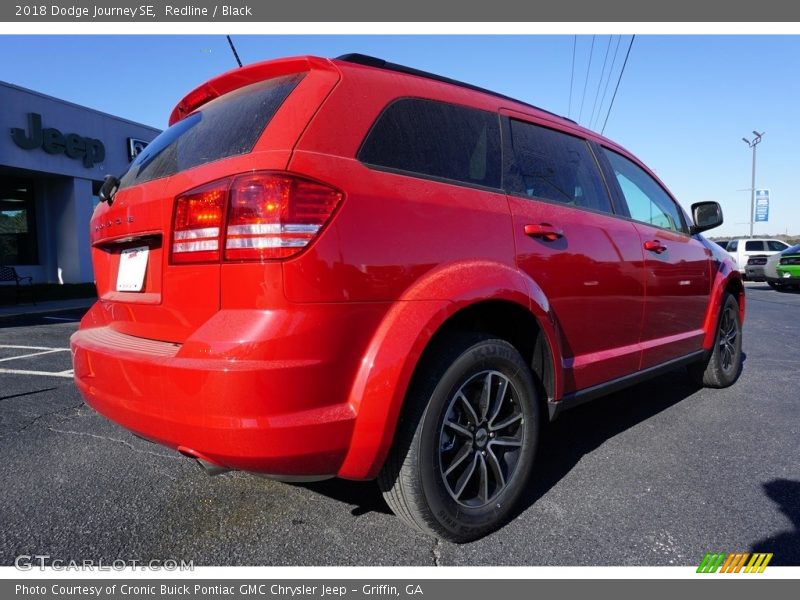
<point>655,246</point>
<point>544,231</point>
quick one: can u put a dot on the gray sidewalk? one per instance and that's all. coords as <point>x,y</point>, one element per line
<point>16,310</point>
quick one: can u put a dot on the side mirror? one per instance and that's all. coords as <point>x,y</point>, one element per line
<point>706,215</point>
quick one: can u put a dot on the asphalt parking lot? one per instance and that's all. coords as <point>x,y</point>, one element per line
<point>659,474</point>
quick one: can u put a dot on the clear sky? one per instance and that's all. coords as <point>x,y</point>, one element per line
<point>683,105</point>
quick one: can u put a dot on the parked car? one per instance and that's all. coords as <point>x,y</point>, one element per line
<point>788,267</point>
<point>350,268</point>
<point>742,249</point>
<point>774,280</point>
<point>754,270</point>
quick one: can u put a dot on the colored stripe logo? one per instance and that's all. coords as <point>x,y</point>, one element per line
<point>735,563</point>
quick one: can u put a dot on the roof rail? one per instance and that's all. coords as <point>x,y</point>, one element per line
<point>379,63</point>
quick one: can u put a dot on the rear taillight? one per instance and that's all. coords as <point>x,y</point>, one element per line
<point>275,216</point>
<point>258,216</point>
<point>198,223</point>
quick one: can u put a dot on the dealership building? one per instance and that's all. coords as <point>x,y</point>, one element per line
<point>53,158</point>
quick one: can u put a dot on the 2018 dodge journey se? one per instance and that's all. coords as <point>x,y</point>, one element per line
<point>350,268</point>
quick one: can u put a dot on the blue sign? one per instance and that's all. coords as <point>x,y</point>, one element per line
<point>762,206</point>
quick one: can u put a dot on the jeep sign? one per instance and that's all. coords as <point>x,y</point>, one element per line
<point>52,141</point>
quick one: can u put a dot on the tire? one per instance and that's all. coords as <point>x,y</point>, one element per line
<point>722,366</point>
<point>775,285</point>
<point>459,463</point>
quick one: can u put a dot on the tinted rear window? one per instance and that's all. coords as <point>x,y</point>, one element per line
<point>437,140</point>
<point>226,126</point>
<point>557,167</point>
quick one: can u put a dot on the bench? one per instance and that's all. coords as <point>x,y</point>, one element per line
<point>9,274</point>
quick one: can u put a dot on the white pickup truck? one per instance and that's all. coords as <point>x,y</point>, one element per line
<point>742,249</point>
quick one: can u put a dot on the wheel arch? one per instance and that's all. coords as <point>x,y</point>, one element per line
<point>727,281</point>
<point>495,297</point>
<point>513,323</point>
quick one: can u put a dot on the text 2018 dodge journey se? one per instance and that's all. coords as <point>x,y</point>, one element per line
<point>349,268</point>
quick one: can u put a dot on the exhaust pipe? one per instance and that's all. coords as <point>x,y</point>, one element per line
<point>210,468</point>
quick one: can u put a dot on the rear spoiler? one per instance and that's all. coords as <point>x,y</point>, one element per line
<point>237,78</point>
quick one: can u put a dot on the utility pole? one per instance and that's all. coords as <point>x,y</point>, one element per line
<point>753,143</point>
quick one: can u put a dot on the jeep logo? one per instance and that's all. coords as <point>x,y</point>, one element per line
<point>52,141</point>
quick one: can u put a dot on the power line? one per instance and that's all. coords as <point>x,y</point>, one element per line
<point>572,77</point>
<point>233,49</point>
<point>586,82</point>
<point>600,81</point>
<point>610,106</point>
<point>608,79</point>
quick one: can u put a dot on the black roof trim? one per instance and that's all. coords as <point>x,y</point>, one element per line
<point>379,63</point>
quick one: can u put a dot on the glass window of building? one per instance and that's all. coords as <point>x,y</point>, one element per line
<point>17,223</point>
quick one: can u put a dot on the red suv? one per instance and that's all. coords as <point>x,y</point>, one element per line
<point>350,268</point>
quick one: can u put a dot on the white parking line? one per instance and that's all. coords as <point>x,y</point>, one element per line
<point>41,350</point>
<point>34,354</point>
<point>46,373</point>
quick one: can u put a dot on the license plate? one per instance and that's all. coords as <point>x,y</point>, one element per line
<point>132,266</point>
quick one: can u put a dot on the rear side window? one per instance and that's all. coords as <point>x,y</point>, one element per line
<point>754,246</point>
<point>226,126</point>
<point>436,139</point>
<point>647,201</point>
<point>557,167</point>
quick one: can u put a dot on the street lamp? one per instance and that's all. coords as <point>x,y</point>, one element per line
<point>753,143</point>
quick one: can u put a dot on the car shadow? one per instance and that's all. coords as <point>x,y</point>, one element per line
<point>583,429</point>
<point>364,496</point>
<point>562,444</point>
<point>785,546</point>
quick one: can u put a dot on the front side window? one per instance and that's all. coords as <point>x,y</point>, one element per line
<point>436,139</point>
<point>646,199</point>
<point>557,167</point>
<point>733,246</point>
<point>775,246</point>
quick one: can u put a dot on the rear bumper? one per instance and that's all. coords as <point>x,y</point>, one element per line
<point>789,274</point>
<point>755,273</point>
<point>791,280</point>
<point>279,416</point>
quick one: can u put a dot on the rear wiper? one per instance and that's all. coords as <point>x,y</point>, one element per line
<point>109,188</point>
